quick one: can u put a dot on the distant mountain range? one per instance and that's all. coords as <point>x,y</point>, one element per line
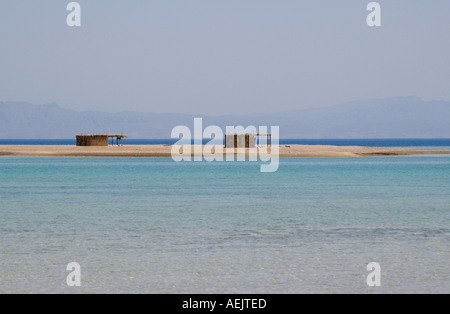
<point>403,117</point>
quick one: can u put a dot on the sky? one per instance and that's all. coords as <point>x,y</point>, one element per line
<point>221,57</point>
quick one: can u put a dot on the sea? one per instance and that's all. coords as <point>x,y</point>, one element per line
<point>152,225</point>
<point>439,143</point>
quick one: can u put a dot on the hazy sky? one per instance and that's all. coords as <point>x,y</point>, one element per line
<point>221,56</point>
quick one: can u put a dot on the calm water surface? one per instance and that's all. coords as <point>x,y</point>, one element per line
<point>155,226</point>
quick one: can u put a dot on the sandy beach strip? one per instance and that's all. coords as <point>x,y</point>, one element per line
<point>165,151</point>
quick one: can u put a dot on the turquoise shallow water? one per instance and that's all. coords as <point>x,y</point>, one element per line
<point>153,225</point>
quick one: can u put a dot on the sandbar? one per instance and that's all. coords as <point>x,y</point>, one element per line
<point>285,151</point>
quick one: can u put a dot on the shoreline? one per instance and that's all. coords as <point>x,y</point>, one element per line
<point>285,151</point>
